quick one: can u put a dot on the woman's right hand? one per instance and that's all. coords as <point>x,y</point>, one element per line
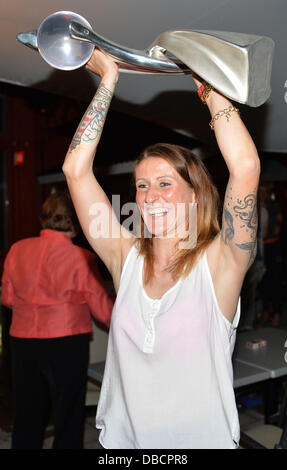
<point>102,65</point>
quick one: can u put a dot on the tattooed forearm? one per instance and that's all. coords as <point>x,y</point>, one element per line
<point>92,124</point>
<point>240,222</point>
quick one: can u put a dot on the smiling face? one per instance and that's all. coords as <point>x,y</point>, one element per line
<point>163,197</point>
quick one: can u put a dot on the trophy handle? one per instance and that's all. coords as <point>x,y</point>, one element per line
<point>130,60</point>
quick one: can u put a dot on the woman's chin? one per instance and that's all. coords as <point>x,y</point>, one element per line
<point>161,232</point>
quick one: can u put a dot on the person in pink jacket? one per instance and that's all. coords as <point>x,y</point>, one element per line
<point>52,287</point>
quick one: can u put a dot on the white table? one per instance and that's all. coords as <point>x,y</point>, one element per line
<point>271,358</point>
<point>245,374</point>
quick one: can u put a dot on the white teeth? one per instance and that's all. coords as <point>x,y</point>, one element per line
<point>157,211</point>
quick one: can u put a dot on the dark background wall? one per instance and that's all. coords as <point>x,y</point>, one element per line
<point>40,126</point>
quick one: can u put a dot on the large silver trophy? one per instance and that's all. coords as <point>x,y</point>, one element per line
<point>237,65</point>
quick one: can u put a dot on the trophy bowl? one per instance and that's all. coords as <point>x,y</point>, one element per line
<point>56,45</point>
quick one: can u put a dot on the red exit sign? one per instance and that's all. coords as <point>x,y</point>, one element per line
<point>19,157</point>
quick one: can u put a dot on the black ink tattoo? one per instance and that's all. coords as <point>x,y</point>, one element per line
<point>250,246</point>
<point>245,246</point>
<point>246,210</point>
<point>229,231</point>
<point>92,124</point>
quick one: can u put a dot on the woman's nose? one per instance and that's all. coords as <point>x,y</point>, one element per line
<point>151,195</point>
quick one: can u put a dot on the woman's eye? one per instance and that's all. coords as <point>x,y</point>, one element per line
<point>164,183</point>
<point>141,186</point>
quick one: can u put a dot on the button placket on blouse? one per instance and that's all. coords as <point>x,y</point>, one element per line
<point>150,334</point>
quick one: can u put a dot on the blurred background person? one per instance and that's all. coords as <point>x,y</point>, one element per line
<point>255,274</point>
<point>52,287</point>
<point>271,286</point>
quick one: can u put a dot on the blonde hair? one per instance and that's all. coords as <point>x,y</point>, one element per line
<point>194,172</point>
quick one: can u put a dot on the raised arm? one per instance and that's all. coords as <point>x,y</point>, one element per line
<point>233,252</point>
<point>93,208</point>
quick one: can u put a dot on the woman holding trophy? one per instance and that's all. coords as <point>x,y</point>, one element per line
<point>168,379</point>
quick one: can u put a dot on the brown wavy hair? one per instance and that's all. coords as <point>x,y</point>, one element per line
<point>58,213</point>
<point>194,172</point>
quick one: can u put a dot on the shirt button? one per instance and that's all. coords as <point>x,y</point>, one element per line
<point>155,307</point>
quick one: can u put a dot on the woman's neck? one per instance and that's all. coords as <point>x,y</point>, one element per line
<point>163,252</point>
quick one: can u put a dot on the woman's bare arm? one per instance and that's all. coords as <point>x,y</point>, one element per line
<point>233,252</point>
<point>99,222</point>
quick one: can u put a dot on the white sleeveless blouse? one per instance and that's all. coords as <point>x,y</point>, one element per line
<point>168,380</point>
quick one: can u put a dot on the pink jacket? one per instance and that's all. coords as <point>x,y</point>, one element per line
<point>53,286</point>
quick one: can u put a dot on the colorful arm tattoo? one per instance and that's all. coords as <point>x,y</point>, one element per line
<point>92,124</point>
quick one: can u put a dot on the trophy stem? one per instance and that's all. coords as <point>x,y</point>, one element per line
<point>128,59</point>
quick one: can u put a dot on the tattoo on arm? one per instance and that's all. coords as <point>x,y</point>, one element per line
<point>229,230</point>
<point>92,124</point>
<point>252,247</point>
<point>246,211</point>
